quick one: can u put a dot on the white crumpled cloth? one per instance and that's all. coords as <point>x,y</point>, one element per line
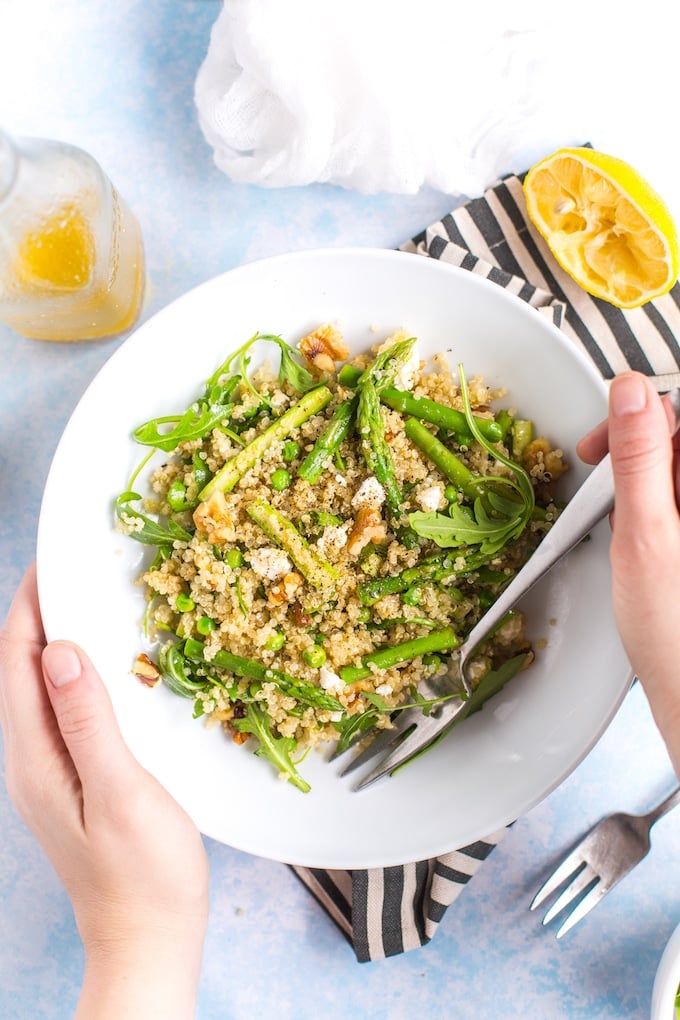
<point>391,95</point>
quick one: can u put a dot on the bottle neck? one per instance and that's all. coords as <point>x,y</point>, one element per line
<point>8,165</point>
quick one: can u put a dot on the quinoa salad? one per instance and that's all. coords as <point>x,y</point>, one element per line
<point>324,530</point>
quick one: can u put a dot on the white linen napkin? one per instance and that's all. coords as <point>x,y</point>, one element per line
<point>391,95</point>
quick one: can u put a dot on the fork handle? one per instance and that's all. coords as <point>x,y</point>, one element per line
<point>671,801</point>
<point>591,503</point>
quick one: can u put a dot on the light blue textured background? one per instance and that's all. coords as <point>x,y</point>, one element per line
<point>117,79</point>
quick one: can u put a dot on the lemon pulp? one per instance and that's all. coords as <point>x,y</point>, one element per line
<point>605,225</point>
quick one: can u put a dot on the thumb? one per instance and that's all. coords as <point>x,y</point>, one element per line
<point>642,456</point>
<point>86,721</point>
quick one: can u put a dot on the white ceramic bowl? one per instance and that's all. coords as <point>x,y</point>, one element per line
<point>667,980</point>
<point>502,761</point>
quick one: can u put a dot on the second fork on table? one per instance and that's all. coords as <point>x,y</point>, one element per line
<point>609,851</point>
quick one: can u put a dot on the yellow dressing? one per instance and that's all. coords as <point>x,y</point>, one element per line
<point>60,252</point>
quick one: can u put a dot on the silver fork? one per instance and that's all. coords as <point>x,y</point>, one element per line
<point>414,731</point>
<point>607,853</point>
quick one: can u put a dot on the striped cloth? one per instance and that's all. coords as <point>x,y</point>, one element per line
<point>384,912</point>
<point>387,911</point>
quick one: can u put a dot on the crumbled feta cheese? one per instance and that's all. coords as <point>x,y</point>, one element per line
<point>333,539</point>
<point>335,716</point>
<point>370,494</point>
<point>330,681</point>
<point>431,497</point>
<point>270,562</point>
<point>405,379</point>
<point>384,689</point>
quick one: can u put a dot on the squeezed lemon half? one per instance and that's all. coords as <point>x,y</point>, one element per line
<point>604,224</point>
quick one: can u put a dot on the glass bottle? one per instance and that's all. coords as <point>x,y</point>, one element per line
<point>71,253</point>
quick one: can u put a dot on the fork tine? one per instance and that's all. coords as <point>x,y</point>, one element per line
<point>383,740</point>
<point>566,869</point>
<point>580,884</point>
<point>428,731</point>
<point>589,901</point>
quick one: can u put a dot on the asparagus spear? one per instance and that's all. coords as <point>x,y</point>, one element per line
<point>329,441</point>
<point>450,466</point>
<point>310,563</point>
<point>383,369</point>
<point>375,447</point>
<point>302,690</point>
<point>384,658</point>
<point>228,475</point>
<point>425,409</point>
<point>439,567</point>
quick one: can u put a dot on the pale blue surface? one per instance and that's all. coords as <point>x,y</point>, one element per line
<point>117,79</point>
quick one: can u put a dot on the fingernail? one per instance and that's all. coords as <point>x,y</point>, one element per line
<point>61,664</point>
<point>628,395</point>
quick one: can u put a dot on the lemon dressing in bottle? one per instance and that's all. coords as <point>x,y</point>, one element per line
<point>71,253</point>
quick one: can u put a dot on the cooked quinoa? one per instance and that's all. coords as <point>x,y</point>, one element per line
<point>267,599</point>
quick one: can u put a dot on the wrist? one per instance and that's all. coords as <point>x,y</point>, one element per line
<point>147,977</point>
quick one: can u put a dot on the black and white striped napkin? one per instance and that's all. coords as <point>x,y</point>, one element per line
<point>384,912</point>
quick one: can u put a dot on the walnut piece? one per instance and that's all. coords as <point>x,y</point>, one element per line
<point>285,590</point>
<point>542,462</point>
<point>146,670</point>
<point>368,527</point>
<point>212,518</point>
<point>323,348</point>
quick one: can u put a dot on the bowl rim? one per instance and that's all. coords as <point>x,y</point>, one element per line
<point>667,979</point>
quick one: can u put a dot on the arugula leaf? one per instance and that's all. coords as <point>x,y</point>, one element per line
<point>150,532</point>
<point>291,371</point>
<point>489,530</point>
<point>196,422</point>
<point>176,672</point>
<point>495,518</point>
<point>276,750</point>
<point>352,727</point>
<point>200,418</point>
<point>491,684</point>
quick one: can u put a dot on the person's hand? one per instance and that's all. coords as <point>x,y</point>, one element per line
<point>645,548</point>
<point>131,860</point>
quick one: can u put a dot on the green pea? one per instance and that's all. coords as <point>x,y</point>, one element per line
<point>202,473</point>
<point>177,495</point>
<point>412,596</point>
<point>291,451</point>
<point>314,656</point>
<point>184,603</point>
<point>275,641</point>
<point>234,558</point>
<point>451,494</point>
<point>280,480</point>
<point>431,660</point>
<point>205,625</point>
